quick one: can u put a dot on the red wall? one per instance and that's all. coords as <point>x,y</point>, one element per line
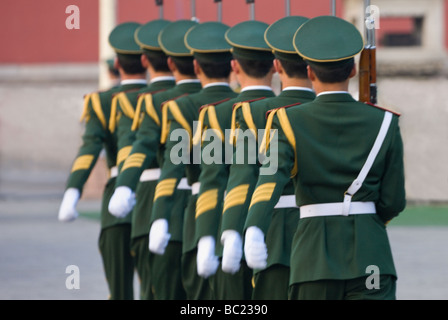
<point>34,31</point>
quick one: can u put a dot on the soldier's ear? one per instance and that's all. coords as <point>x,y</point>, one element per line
<point>278,66</point>
<point>353,72</point>
<point>235,66</point>
<point>311,74</point>
<point>116,63</point>
<point>171,64</point>
<point>197,67</point>
<point>144,61</point>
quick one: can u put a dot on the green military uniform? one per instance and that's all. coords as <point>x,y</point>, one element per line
<point>206,42</point>
<point>272,282</point>
<point>114,241</point>
<point>324,145</point>
<point>126,107</point>
<point>213,178</point>
<point>141,170</point>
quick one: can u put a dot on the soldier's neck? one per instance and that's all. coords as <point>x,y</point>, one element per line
<point>323,87</point>
<point>246,81</point>
<point>295,82</point>
<point>124,76</point>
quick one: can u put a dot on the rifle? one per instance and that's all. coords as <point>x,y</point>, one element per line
<point>159,3</point>
<point>219,2</point>
<point>367,62</point>
<point>252,8</point>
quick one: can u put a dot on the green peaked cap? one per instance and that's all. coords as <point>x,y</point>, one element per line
<point>171,38</point>
<point>147,35</point>
<point>279,37</point>
<point>247,40</point>
<point>328,39</point>
<point>122,38</point>
<point>206,41</point>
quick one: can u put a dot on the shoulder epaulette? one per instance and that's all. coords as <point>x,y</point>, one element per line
<point>178,116</point>
<point>287,106</point>
<point>247,115</point>
<point>376,106</point>
<point>213,119</point>
<point>138,117</point>
<point>287,130</point>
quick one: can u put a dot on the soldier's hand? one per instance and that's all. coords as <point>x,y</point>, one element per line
<point>207,261</point>
<point>255,249</point>
<point>121,202</point>
<point>159,236</point>
<point>67,210</point>
<point>232,251</point>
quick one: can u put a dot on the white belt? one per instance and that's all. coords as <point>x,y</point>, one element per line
<point>114,172</point>
<point>195,188</point>
<point>183,184</point>
<point>336,209</point>
<point>150,174</point>
<point>286,202</point>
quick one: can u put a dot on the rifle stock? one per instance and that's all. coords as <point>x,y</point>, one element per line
<point>364,75</point>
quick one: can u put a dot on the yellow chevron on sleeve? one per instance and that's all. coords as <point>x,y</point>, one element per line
<point>262,193</point>
<point>235,197</point>
<point>82,162</point>
<point>289,133</point>
<point>123,153</point>
<point>214,123</point>
<point>165,188</point>
<point>206,201</point>
<point>137,116</point>
<point>96,105</point>
<point>134,160</point>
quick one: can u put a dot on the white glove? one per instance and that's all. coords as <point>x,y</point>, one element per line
<point>159,236</point>
<point>67,210</point>
<point>232,252</point>
<point>121,202</point>
<point>255,249</point>
<point>207,262</point>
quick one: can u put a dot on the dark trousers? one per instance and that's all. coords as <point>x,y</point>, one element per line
<point>114,245</point>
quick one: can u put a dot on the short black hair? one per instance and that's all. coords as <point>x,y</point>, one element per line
<point>131,63</point>
<point>158,60</point>
<point>295,69</point>
<point>215,69</point>
<point>184,65</point>
<point>255,68</point>
<point>332,72</point>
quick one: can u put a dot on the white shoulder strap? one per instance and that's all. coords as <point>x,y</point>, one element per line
<point>357,183</point>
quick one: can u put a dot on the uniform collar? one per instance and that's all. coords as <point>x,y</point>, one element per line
<point>256,88</point>
<point>133,81</point>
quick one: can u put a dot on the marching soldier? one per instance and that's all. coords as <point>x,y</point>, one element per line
<point>253,66</point>
<point>212,65</point>
<point>114,240</point>
<point>126,106</point>
<point>346,159</point>
<point>273,281</point>
<point>141,169</point>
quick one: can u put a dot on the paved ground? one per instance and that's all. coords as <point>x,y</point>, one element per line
<point>36,249</point>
